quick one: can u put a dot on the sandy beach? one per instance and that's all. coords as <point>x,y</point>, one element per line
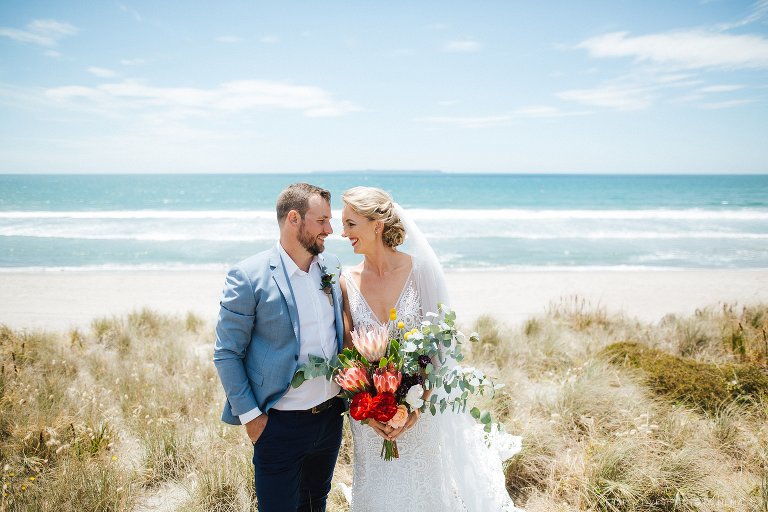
<point>61,300</point>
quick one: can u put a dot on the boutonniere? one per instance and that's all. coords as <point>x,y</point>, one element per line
<point>326,281</point>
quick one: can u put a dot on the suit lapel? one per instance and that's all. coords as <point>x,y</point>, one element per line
<point>284,285</point>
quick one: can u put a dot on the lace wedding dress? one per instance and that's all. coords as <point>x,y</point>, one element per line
<point>436,471</point>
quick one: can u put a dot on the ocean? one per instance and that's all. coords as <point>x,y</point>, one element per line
<point>474,221</point>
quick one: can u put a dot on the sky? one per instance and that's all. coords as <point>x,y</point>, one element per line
<point>513,86</point>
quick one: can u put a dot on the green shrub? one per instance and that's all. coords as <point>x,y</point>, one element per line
<point>702,385</point>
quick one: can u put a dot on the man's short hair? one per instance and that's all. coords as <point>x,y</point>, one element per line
<point>296,196</point>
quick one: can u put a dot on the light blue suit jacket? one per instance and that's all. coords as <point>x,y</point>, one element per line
<point>257,335</point>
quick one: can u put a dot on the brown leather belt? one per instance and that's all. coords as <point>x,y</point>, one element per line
<point>314,410</point>
<point>323,406</point>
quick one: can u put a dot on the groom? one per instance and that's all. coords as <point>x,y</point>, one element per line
<point>276,308</point>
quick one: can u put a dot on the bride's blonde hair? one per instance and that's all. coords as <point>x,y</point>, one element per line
<point>375,204</point>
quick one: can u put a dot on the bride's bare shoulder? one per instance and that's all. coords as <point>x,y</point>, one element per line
<point>353,272</point>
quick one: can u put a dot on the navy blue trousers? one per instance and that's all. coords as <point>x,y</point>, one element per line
<point>294,459</point>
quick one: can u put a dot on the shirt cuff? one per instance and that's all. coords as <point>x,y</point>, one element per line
<point>250,415</point>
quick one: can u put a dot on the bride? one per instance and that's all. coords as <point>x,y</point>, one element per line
<point>444,462</point>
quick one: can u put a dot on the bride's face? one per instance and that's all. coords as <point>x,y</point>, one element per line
<point>360,230</point>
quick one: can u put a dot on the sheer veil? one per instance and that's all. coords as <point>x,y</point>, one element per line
<point>430,278</point>
<point>472,463</point>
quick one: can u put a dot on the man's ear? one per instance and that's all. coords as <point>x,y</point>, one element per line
<point>293,218</point>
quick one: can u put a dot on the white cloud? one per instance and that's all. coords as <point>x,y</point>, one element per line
<point>462,46</point>
<point>469,121</point>
<point>133,12</point>
<point>230,39</point>
<point>179,102</point>
<point>132,62</point>
<point>684,49</point>
<point>611,97</point>
<point>759,11</point>
<point>102,72</point>
<point>726,104</point>
<point>545,111</point>
<point>533,111</point>
<point>40,32</point>
<point>721,88</point>
<point>269,39</point>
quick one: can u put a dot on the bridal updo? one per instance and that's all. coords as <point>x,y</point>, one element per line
<point>375,204</point>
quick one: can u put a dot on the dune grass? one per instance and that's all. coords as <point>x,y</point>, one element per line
<point>616,415</point>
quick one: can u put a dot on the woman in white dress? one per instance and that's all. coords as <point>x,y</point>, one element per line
<point>444,463</point>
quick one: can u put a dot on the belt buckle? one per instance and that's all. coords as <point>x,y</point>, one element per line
<point>321,407</point>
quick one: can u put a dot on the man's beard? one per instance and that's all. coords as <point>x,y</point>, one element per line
<point>310,243</point>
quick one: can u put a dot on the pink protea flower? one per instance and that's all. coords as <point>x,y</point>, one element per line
<point>372,344</point>
<point>354,379</point>
<point>387,380</point>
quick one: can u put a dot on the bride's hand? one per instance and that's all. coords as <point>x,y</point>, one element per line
<point>380,428</point>
<point>410,422</point>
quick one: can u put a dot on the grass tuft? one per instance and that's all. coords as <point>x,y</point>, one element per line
<point>703,385</point>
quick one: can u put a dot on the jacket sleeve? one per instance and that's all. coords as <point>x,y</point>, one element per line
<point>237,317</point>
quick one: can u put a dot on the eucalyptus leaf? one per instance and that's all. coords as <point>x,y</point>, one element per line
<point>475,412</point>
<point>298,379</point>
<point>316,359</point>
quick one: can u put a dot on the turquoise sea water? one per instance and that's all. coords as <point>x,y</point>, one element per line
<point>474,221</point>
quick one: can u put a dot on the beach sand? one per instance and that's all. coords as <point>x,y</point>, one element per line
<point>62,300</point>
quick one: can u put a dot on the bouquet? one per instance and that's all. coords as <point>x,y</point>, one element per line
<point>388,373</point>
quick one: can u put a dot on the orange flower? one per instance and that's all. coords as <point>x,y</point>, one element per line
<point>400,417</point>
<point>354,379</point>
<point>387,380</point>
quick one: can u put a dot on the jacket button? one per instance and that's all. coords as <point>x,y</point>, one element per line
<point>296,357</point>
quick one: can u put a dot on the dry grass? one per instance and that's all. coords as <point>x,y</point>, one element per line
<point>125,416</point>
<point>602,436</point>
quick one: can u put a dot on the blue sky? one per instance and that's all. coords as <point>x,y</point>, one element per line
<point>493,86</point>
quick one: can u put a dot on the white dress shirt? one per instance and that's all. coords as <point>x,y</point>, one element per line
<point>317,329</point>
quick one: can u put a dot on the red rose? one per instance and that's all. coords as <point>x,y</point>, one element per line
<point>383,407</point>
<point>360,408</point>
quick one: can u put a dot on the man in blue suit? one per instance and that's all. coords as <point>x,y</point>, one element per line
<point>278,307</point>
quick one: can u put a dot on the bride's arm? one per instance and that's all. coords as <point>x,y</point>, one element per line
<point>346,313</point>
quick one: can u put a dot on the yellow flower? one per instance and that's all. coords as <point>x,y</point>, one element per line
<point>11,474</point>
<point>114,457</point>
<point>406,336</point>
<point>400,325</point>
<point>23,487</point>
<point>31,479</point>
<point>393,314</point>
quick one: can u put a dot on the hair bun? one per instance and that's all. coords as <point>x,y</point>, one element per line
<point>375,204</point>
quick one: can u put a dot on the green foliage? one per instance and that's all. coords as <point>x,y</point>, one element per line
<point>703,385</point>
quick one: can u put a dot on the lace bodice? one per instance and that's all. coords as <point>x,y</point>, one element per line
<point>408,305</point>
